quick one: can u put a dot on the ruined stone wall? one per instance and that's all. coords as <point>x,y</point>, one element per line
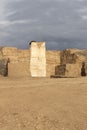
<point>52,60</point>
<point>69,70</point>
<point>18,61</point>
<point>15,55</point>
<point>72,56</point>
<point>71,62</point>
<point>10,53</point>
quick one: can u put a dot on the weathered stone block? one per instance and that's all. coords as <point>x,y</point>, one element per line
<point>11,53</point>
<point>3,67</point>
<point>38,59</point>
<point>72,56</point>
<point>69,70</point>
<point>23,56</point>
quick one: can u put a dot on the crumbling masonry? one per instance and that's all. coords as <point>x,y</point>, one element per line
<point>39,62</point>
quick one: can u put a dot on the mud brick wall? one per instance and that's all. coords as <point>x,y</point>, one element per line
<point>24,56</point>
<point>18,61</point>
<point>69,70</point>
<point>72,56</point>
<point>71,63</point>
<point>10,53</point>
<point>19,69</point>
<point>52,60</point>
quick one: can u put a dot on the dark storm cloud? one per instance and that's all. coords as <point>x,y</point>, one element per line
<point>61,23</point>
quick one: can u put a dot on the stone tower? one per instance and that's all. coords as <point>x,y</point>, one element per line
<point>37,59</point>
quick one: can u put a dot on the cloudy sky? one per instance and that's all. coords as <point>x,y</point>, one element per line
<point>60,23</point>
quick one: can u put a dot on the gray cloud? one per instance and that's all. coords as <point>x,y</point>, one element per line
<point>61,23</point>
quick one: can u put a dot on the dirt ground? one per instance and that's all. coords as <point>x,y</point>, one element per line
<point>43,104</point>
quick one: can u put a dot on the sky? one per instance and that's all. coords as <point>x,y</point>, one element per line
<point>60,23</point>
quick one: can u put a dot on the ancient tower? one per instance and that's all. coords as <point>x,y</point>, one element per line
<point>37,59</point>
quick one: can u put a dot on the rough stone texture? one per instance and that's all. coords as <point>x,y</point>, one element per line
<point>86,68</point>
<point>18,61</point>
<point>82,56</point>
<point>68,56</point>
<point>71,63</point>
<point>14,55</point>
<point>52,60</point>
<point>1,55</point>
<point>71,56</point>
<point>11,53</point>
<point>23,56</point>
<point>3,67</point>
<point>69,70</point>
<point>42,63</point>
<point>38,59</point>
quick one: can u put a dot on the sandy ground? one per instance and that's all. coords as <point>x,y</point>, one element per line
<point>43,104</point>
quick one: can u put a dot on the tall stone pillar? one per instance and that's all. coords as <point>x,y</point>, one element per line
<point>38,59</point>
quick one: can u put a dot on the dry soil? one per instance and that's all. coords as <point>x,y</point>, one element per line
<point>43,104</point>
